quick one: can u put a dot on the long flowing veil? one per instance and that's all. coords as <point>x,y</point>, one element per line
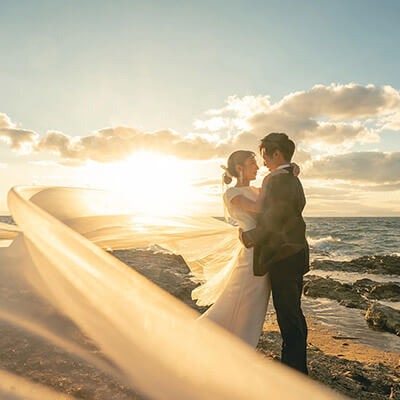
<point>59,284</point>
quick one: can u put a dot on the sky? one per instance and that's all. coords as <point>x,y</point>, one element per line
<point>132,93</point>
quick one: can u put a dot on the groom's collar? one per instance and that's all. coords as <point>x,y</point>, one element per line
<point>283,166</point>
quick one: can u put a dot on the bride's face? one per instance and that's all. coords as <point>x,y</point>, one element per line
<point>250,169</point>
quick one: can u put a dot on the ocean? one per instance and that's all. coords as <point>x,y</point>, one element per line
<point>346,238</point>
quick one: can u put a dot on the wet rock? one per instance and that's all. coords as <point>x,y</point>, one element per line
<point>169,271</point>
<point>360,295</point>
<point>344,293</point>
<point>388,291</point>
<point>388,265</point>
<point>384,317</point>
<point>364,285</point>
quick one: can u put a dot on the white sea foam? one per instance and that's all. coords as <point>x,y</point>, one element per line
<point>323,242</point>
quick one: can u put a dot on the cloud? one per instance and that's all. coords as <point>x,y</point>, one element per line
<point>329,207</point>
<point>324,118</point>
<point>214,124</point>
<point>391,122</point>
<point>334,115</point>
<point>20,140</point>
<point>331,193</point>
<point>342,102</point>
<point>363,167</point>
<point>381,188</point>
<point>116,144</point>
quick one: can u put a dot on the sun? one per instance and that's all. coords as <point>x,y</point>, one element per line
<point>152,183</point>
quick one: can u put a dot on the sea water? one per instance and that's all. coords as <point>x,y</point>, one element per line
<point>344,239</point>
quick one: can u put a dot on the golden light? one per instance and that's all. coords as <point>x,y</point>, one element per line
<point>152,183</point>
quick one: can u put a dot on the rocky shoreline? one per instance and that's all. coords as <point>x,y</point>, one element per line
<point>348,367</point>
<point>335,361</point>
<point>384,265</point>
<point>376,376</point>
<point>363,293</point>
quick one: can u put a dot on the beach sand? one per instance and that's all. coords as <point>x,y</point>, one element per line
<point>355,370</point>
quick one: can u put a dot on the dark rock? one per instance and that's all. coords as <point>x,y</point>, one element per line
<point>169,271</point>
<point>388,291</point>
<point>344,293</point>
<point>359,296</point>
<point>383,317</point>
<point>389,265</point>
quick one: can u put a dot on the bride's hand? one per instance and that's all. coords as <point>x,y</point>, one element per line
<point>296,169</point>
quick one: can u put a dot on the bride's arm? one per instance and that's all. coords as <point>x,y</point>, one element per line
<point>245,203</point>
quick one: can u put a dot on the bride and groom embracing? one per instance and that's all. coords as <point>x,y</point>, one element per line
<point>275,255</point>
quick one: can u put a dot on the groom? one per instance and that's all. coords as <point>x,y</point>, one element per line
<point>280,246</point>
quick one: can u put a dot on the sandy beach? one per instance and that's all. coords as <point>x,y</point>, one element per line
<point>352,369</point>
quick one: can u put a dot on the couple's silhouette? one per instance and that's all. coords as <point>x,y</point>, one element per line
<point>275,254</point>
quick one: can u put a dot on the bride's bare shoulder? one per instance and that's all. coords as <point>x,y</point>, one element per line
<point>230,191</point>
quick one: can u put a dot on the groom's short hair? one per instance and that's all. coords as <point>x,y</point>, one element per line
<point>278,141</point>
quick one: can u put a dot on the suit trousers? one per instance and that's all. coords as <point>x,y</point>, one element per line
<point>287,284</point>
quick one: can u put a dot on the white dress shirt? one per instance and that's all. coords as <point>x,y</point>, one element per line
<point>283,166</point>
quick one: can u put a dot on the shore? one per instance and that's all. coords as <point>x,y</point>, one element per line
<point>352,369</point>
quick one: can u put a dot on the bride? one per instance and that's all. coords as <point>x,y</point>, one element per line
<point>242,305</point>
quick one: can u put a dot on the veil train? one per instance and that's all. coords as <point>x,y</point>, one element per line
<point>149,340</point>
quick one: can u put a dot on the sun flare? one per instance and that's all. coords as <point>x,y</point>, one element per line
<point>151,182</point>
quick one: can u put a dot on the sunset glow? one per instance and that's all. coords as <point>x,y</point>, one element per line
<point>153,183</point>
<point>142,125</point>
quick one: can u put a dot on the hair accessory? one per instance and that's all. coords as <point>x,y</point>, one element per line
<point>226,171</point>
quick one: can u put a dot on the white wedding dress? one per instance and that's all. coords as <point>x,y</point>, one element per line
<point>242,305</point>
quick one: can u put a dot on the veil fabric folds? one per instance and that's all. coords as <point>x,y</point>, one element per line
<point>149,340</point>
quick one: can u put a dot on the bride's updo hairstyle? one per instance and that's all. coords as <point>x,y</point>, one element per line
<point>236,158</point>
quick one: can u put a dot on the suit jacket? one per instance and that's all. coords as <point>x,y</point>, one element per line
<point>280,229</point>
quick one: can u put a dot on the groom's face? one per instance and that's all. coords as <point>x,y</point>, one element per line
<point>271,162</point>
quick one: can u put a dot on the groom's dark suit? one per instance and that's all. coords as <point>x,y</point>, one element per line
<point>280,248</point>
